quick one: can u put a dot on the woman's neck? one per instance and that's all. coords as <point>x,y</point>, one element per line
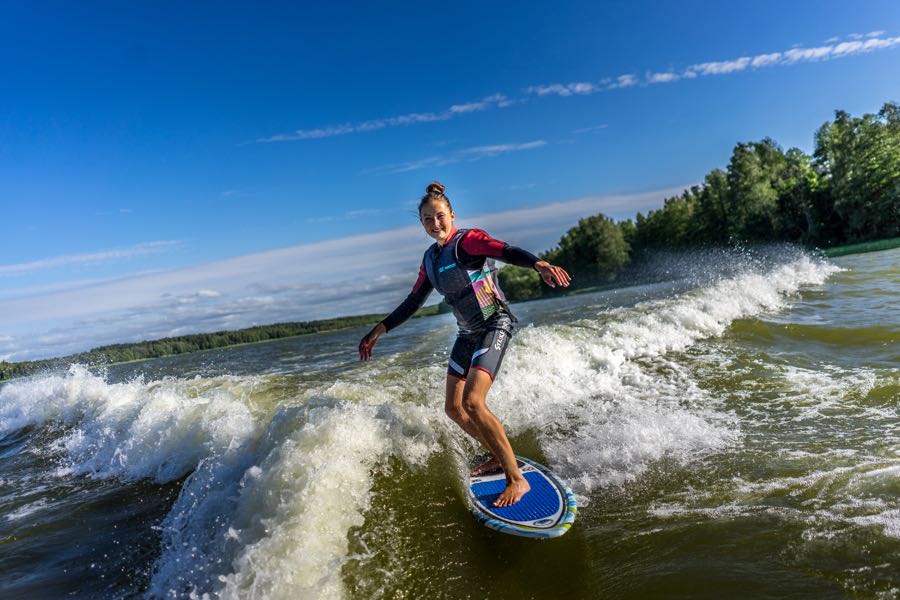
<point>449,237</point>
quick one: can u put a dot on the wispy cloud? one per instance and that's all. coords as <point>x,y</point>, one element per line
<point>568,89</point>
<point>479,152</point>
<point>89,258</point>
<point>308,281</point>
<point>349,215</point>
<point>662,77</point>
<point>493,101</point>
<point>833,49</point>
<point>593,129</point>
<point>121,211</point>
<point>472,154</point>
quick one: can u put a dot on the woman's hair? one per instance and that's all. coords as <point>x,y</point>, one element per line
<point>434,191</point>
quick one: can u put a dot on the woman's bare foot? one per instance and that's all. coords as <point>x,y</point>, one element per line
<point>513,493</point>
<point>491,465</point>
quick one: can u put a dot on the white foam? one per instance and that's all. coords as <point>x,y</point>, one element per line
<point>603,397</point>
<point>132,430</point>
<point>889,521</point>
<point>275,523</point>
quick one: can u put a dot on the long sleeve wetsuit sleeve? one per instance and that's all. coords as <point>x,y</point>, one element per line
<point>477,243</point>
<point>416,298</point>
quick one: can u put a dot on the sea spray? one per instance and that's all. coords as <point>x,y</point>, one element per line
<point>278,528</point>
<point>133,430</point>
<point>601,394</point>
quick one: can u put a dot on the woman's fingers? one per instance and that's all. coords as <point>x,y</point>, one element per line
<point>562,276</point>
<point>367,343</point>
<point>365,349</point>
<point>554,276</point>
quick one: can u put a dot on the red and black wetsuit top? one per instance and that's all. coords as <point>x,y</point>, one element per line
<point>473,248</point>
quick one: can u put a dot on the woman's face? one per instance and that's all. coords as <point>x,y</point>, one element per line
<point>437,219</point>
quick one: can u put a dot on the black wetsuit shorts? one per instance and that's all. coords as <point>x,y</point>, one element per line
<point>482,349</point>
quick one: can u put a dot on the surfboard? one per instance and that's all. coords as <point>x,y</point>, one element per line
<point>547,511</point>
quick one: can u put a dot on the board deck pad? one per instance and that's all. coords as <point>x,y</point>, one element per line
<point>547,511</point>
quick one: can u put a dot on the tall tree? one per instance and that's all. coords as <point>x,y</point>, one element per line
<point>858,160</point>
<point>594,250</point>
<point>754,177</point>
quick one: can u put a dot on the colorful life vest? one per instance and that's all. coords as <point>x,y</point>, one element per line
<point>473,295</point>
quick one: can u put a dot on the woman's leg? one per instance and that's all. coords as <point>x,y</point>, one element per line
<point>454,409</point>
<point>491,433</point>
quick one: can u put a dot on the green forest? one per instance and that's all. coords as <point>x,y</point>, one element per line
<point>847,192</point>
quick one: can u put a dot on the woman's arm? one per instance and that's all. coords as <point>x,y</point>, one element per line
<point>477,243</point>
<point>420,292</point>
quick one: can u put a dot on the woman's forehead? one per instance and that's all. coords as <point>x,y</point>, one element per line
<point>433,207</point>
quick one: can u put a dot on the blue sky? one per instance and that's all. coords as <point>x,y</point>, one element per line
<point>168,168</point>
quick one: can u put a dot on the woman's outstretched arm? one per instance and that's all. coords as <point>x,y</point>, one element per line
<point>478,243</point>
<point>413,302</point>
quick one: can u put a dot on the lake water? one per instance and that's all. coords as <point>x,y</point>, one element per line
<point>732,432</point>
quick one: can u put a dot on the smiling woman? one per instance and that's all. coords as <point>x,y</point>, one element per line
<point>460,266</point>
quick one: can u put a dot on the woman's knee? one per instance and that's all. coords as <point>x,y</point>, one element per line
<point>472,404</point>
<point>454,411</point>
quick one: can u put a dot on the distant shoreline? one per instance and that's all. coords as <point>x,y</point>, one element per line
<point>277,331</point>
<point>118,354</point>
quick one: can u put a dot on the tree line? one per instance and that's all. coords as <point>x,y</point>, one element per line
<point>846,192</point>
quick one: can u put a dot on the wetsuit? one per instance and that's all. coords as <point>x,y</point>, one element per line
<point>463,271</point>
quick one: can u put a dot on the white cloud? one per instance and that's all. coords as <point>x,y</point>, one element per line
<point>102,256</point>
<point>465,155</point>
<point>795,55</point>
<point>862,44</point>
<point>662,77</point>
<point>349,215</point>
<point>358,274</point>
<point>593,129</point>
<point>578,88</point>
<point>623,81</point>
<point>485,151</point>
<point>493,101</point>
<point>764,60</point>
<point>721,67</point>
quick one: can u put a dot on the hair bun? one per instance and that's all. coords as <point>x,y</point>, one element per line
<point>435,188</point>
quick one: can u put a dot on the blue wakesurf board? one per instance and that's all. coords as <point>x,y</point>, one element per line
<point>547,511</point>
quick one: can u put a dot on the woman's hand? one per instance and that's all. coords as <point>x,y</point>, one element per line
<point>369,340</point>
<point>552,275</point>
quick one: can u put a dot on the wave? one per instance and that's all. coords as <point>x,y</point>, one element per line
<point>603,394</point>
<point>273,488</point>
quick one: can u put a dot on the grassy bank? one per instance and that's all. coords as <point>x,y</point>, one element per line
<point>875,246</point>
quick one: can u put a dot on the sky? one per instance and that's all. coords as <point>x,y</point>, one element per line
<point>170,168</point>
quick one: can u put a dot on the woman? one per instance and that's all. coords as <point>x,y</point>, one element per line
<point>459,265</point>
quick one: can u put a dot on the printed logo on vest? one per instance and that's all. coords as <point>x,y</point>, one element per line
<point>446,267</point>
